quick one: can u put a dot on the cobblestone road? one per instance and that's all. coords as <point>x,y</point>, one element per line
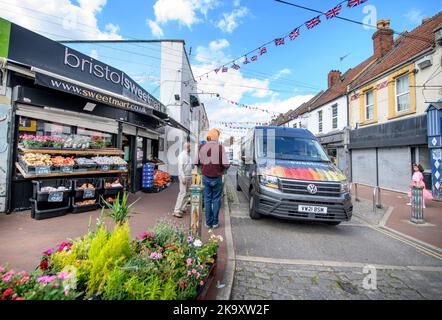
<point>268,281</point>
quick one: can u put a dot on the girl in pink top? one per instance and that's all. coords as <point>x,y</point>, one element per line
<point>418,180</point>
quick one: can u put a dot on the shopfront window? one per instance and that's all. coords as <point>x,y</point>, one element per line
<point>42,128</point>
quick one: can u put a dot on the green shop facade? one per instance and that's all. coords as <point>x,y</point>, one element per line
<point>50,92</point>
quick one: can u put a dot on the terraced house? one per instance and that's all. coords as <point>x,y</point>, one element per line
<point>388,103</point>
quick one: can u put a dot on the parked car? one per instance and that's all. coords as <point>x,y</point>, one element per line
<point>285,173</point>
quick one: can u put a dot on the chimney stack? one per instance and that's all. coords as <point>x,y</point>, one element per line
<point>383,39</point>
<point>333,77</point>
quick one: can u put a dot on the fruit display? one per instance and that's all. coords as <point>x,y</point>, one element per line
<point>52,189</point>
<point>114,184</point>
<point>103,160</point>
<point>118,161</point>
<point>161,178</point>
<point>85,162</point>
<point>86,202</point>
<point>86,186</point>
<point>37,159</point>
<point>62,161</point>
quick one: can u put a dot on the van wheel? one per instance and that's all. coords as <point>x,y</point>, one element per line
<point>334,223</point>
<point>238,188</point>
<point>252,205</point>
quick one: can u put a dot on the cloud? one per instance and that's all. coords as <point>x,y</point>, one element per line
<point>232,20</point>
<point>185,12</point>
<point>415,15</point>
<point>60,19</point>
<point>234,86</point>
<point>155,29</point>
<point>281,73</point>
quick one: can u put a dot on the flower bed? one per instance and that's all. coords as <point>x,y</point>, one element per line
<point>164,263</point>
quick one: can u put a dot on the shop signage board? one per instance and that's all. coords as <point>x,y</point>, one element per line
<point>27,47</point>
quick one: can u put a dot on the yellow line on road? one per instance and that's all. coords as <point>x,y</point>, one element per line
<point>411,243</point>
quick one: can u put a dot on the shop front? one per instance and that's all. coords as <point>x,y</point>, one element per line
<point>79,130</point>
<point>435,145</point>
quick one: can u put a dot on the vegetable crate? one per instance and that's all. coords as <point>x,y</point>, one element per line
<point>41,210</point>
<point>86,194</point>
<point>112,186</point>
<point>55,191</point>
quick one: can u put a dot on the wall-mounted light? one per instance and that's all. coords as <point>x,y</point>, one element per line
<point>177,97</point>
<point>89,107</point>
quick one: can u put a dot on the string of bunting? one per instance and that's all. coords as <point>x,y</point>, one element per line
<point>292,35</point>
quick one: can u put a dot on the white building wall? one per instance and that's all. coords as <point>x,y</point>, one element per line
<point>327,117</point>
<point>433,74</point>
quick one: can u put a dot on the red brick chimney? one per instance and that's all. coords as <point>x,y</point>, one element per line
<point>333,77</point>
<point>383,39</point>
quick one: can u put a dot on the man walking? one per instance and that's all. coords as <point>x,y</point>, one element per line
<point>185,177</point>
<point>213,161</point>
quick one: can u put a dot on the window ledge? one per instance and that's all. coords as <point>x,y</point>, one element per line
<point>401,114</point>
<point>366,123</point>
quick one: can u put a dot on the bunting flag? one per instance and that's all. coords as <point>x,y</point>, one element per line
<point>313,23</point>
<point>355,3</point>
<point>332,13</point>
<point>279,41</point>
<point>294,34</point>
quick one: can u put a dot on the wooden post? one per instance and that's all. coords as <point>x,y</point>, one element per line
<point>196,204</point>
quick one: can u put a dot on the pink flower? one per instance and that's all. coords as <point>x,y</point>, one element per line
<point>156,255</point>
<point>198,275</point>
<point>24,279</point>
<point>189,273</point>
<point>142,235</point>
<point>189,262</point>
<point>6,277</point>
<point>194,271</point>
<point>2,269</point>
<point>151,235</point>
<point>46,279</point>
<point>23,273</point>
<point>6,293</point>
<point>48,251</point>
<point>63,275</point>
<point>201,283</point>
<point>64,245</point>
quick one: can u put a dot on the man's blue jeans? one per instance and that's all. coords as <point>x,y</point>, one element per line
<point>213,189</point>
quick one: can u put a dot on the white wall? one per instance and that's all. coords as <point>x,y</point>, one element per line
<point>327,122</point>
<point>434,72</point>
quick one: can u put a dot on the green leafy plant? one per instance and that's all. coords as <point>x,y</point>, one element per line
<point>107,251</point>
<point>119,211</point>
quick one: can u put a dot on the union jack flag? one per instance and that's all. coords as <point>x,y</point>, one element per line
<point>279,41</point>
<point>355,3</point>
<point>294,34</point>
<point>262,51</point>
<point>235,66</point>
<point>224,69</point>
<point>254,58</point>
<point>333,12</point>
<point>313,23</point>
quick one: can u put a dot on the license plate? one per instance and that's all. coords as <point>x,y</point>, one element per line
<point>312,209</point>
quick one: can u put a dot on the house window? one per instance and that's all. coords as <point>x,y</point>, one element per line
<point>320,121</point>
<point>295,125</point>
<point>402,94</point>
<point>369,105</point>
<point>335,116</point>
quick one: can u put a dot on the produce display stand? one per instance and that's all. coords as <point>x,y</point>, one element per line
<point>49,204</point>
<point>80,195</point>
<point>45,205</point>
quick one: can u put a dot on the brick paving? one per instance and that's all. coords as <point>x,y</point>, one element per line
<point>399,219</point>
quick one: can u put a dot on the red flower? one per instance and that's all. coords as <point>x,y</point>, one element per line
<point>43,265</point>
<point>6,293</point>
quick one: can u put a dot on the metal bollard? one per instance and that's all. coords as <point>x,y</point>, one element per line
<point>417,205</point>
